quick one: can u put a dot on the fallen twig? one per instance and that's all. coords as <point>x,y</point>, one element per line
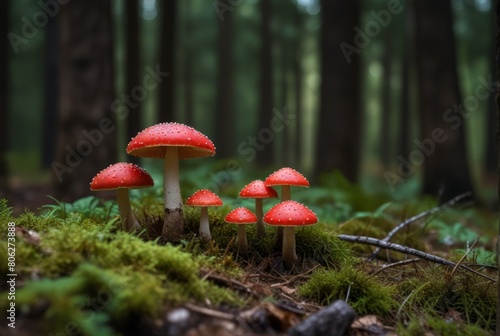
<point>408,250</point>
<point>396,264</point>
<point>417,217</point>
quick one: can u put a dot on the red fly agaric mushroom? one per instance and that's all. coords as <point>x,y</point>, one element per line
<point>122,177</point>
<point>258,190</point>
<point>241,216</point>
<point>171,142</point>
<point>286,177</point>
<point>203,199</point>
<point>290,214</point>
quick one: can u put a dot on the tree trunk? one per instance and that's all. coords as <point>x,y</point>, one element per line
<point>4,92</point>
<point>224,136</point>
<point>497,77</point>
<point>133,120</point>
<point>386,106</point>
<point>86,138</point>
<point>284,156</point>
<point>491,119</point>
<point>408,50</point>
<point>442,149</point>
<point>298,76</point>
<point>188,66</point>
<point>49,137</point>
<point>167,43</point>
<point>265,156</point>
<point>339,138</point>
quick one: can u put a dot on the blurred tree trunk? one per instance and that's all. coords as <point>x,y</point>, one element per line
<point>497,94</point>
<point>406,89</point>
<point>491,119</point>
<point>443,128</point>
<point>298,77</point>
<point>284,155</point>
<point>339,138</point>
<point>132,48</point>
<point>386,106</point>
<point>265,154</point>
<point>167,44</point>
<point>86,128</point>
<point>49,137</point>
<point>188,65</point>
<point>225,120</point>
<point>4,92</point>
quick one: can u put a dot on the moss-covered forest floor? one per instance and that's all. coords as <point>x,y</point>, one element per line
<point>77,274</point>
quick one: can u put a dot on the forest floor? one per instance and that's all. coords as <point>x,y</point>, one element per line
<point>78,274</point>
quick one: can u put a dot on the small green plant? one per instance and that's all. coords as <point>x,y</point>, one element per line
<point>89,207</point>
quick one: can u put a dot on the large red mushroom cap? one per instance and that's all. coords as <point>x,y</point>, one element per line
<point>290,214</point>
<point>241,216</point>
<point>286,176</point>
<point>204,198</point>
<point>121,175</point>
<point>152,142</point>
<point>257,189</point>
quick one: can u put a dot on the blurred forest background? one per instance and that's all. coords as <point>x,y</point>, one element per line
<point>395,95</point>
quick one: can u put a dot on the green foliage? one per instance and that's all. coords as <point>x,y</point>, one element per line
<point>89,207</point>
<point>365,294</point>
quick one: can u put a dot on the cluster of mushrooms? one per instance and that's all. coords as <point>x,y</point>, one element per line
<point>174,141</point>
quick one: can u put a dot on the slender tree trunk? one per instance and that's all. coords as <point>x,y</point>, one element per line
<point>49,138</point>
<point>339,132</point>
<point>4,92</point>
<point>133,120</point>
<point>408,50</point>
<point>491,119</point>
<point>284,156</point>
<point>86,139</point>
<point>167,44</point>
<point>443,129</point>
<point>224,137</point>
<point>386,106</point>
<point>266,152</point>
<point>497,77</point>
<point>188,66</point>
<point>298,76</point>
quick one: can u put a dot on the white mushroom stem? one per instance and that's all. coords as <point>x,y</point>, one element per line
<point>261,231</point>
<point>129,223</point>
<point>171,179</point>
<point>204,225</point>
<point>173,225</point>
<point>285,196</point>
<point>288,252</point>
<point>241,239</point>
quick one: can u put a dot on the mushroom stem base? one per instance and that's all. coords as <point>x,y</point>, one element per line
<point>204,225</point>
<point>173,226</point>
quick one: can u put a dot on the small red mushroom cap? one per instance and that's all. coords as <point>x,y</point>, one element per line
<point>290,213</point>
<point>287,176</point>
<point>152,142</point>
<point>257,189</point>
<point>241,216</point>
<point>204,198</point>
<point>121,175</point>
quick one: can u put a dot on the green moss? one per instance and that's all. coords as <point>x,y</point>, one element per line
<point>79,260</point>
<point>467,294</point>
<point>366,294</point>
<point>438,326</point>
